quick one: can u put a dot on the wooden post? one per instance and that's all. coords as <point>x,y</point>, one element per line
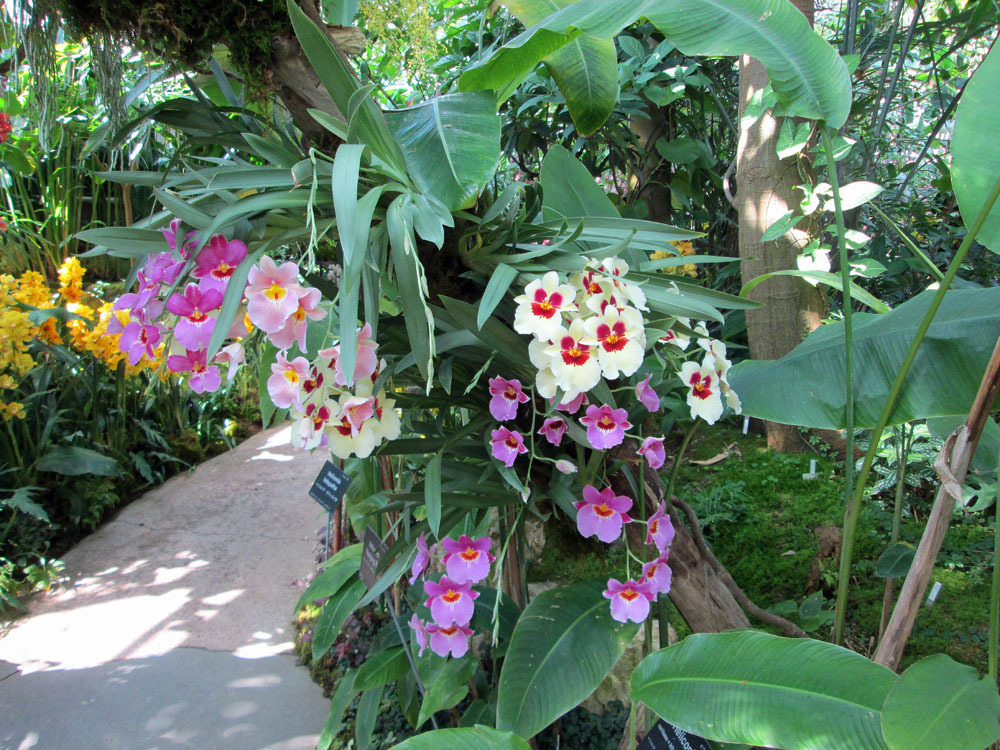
<point>952,465</point>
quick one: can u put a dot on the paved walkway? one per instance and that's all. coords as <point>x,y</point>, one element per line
<point>174,628</point>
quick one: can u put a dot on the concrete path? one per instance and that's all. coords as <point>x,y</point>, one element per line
<point>174,629</point>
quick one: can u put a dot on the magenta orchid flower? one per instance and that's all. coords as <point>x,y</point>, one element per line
<point>553,430</point>
<point>162,268</point>
<point>420,633</point>
<point>452,640</point>
<point>660,529</point>
<point>507,396</point>
<point>467,560</point>
<point>204,377</point>
<point>573,406</point>
<point>629,600</point>
<point>566,467</point>
<point>284,385</point>
<point>602,513</point>
<point>423,558</point>
<point>652,448</point>
<point>450,601</point>
<point>194,329</point>
<point>294,330</point>
<point>657,574</point>
<point>139,340</point>
<point>272,294</point>
<point>183,247</point>
<point>507,445</point>
<point>217,261</point>
<point>645,393</point>
<point>605,426</point>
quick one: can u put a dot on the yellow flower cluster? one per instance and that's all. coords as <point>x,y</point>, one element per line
<point>17,331</point>
<point>686,248</point>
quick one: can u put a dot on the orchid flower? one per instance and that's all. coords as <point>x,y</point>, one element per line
<point>539,309</point>
<point>703,394</point>
<point>452,640</point>
<point>272,294</point>
<point>553,429</point>
<point>422,560</point>
<point>204,377</point>
<point>194,329</point>
<point>294,330</point>
<point>450,601</point>
<point>574,363</point>
<point>629,600</point>
<point>507,445</point>
<point>507,396</point>
<point>605,426</point>
<point>139,340</point>
<point>602,513</point>
<point>285,383</point>
<point>645,393</point>
<point>619,341</point>
<point>660,529</point>
<point>217,261</point>
<point>467,560</point>
<point>657,574</point>
<point>420,633</point>
<point>652,449</point>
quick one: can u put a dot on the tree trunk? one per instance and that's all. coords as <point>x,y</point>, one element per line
<point>765,192</point>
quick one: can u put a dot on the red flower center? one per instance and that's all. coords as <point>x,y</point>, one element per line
<point>603,510</point>
<point>573,352</point>
<point>629,595</point>
<point>701,386</point>
<point>470,554</point>
<point>451,596</point>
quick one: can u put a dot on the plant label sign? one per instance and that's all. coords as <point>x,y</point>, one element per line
<point>371,555</point>
<point>665,736</point>
<point>329,488</point>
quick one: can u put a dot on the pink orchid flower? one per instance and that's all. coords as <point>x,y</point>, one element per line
<point>452,640</point>
<point>507,395</point>
<point>657,574</point>
<point>139,340</point>
<point>553,430</point>
<point>420,633</point>
<point>365,361</point>
<point>194,329</point>
<point>660,529</point>
<point>450,602</point>
<point>652,449</point>
<point>573,406</point>
<point>204,377</point>
<point>629,600</point>
<point>217,261</point>
<point>162,268</point>
<point>602,513</point>
<point>182,248</point>
<point>645,393</point>
<point>284,385</point>
<point>272,294</point>
<point>605,426</point>
<point>467,560</point>
<point>231,355</point>
<point>294,330</point>
<point>423,558</point>
<point>507,445</point>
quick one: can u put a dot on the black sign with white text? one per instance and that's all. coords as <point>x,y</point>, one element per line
<point>329,488</point>
<point>664,736</point>
<point>371,555</point>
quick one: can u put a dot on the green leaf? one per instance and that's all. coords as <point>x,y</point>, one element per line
<point>123,242</point>
<point>793,137</point>
<point>339,569</point>
<point>333,616</point>
<point>477,738</point>
<point>938,702</point>
<point>855,194</point>
<point>448,687</point>
<point>823,277</point>
<point>760,689</point>
<point>451,144</point>
<point>895,561</point>
<point>807,74</point>
<point>412,285</point>
<point>568,189</point>
<point>503,276</point>
<point>381,668</point>
<point>432,493</point>
<point>975,157</point>
<point>585,70</point>
<point>506,68</point>
<point>565,643</point>
<point>72,461</point>
<point>782,225</point>
<point>342,698</point>
<point>21,499</point>
<point>367,715</point>
<point>943,380</point>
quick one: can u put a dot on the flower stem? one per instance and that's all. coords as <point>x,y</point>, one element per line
<point>677,462</point>
<point>995,588</point>
<point>845,280</point>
